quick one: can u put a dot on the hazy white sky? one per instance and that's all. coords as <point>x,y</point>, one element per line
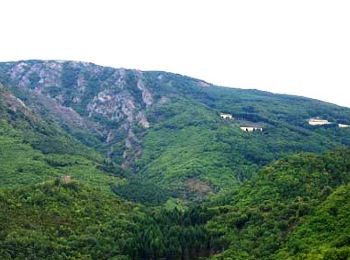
<point>298,47</point>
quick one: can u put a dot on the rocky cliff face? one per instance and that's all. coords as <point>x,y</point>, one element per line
<point>108,102</point>
<point>100,106</point>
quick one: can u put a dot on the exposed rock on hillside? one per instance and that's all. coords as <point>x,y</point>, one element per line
<point>165,127</point>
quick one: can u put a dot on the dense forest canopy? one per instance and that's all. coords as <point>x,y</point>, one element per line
<point>97,162</point>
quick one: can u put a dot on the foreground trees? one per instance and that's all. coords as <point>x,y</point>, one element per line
<point>297,208</point>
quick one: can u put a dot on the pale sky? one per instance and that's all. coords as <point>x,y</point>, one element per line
<point>297,47</point>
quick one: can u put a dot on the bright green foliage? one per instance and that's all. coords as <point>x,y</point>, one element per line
<point>22,165</point>
<point>68,220</point>
<point>32,151</point>
<point>187,144</point>
<point>188,139</point>
<point>258,219</point>
<point>325,234</point>
<point>57,220</point>
<point>205,188</point>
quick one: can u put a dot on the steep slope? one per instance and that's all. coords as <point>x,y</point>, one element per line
<point>64,220</point>
<point>325,234</point>
<point>33,150</point>
<point>166,129</point>
<point>295,208</point>
<point>289,204</point>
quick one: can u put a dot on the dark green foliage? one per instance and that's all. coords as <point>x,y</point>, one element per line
<point>144,192</point>
<point>33,150</point>
<point>41,134</point>
<point>60,220</point>
<point>199,186</point>
<point>262,215</point>
<point>187,139</point>
<point>325,234</point>
<point>63,221</point>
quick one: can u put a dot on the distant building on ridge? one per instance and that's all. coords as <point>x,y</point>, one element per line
<point>250,128</point>
<point>317,121</point>
<point>226,116</point>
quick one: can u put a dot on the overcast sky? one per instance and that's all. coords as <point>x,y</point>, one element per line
<point>297,47</point>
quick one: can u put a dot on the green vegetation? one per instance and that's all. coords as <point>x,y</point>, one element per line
<point>257,220</point>
<point>296,207</point>
<point>32,151</point>
<point>22,165</point>
<point>325,234</point>
<point>58,220</point>
<point>82,176</point>
<point>188,140</point>
<point>68,220</point>
<point>188,149</point>
<point>145,192</point>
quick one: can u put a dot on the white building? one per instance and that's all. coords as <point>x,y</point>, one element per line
<point>250,128</point>
<point>226,116</point>
<point>316,121</point>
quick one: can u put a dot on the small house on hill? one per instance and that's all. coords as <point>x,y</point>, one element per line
<point>251,129</point>
<point>226,116</point>
<point>318,122</point>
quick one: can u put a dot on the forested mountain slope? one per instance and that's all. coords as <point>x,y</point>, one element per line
<point>164,132</point>
<point>33,150</point>
<point>295,208</point>
<point>81,143</point>
<point>325,234</point>
<point>64,220</point>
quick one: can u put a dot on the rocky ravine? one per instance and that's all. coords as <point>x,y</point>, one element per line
<point>104,101</point>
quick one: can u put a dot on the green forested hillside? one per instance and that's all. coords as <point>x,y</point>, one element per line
<point>297,207</point>
<point>284,200</point>
<point>104,163</point>
<point>325,234</point>
<point>165,128</point>
<point>57,220</point>
<point>69,220</point>
<point>33,150</point>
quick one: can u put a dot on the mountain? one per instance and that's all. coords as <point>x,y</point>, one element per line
<point>105,163</point>
<point>163,131</point>
<point>33,149</point>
